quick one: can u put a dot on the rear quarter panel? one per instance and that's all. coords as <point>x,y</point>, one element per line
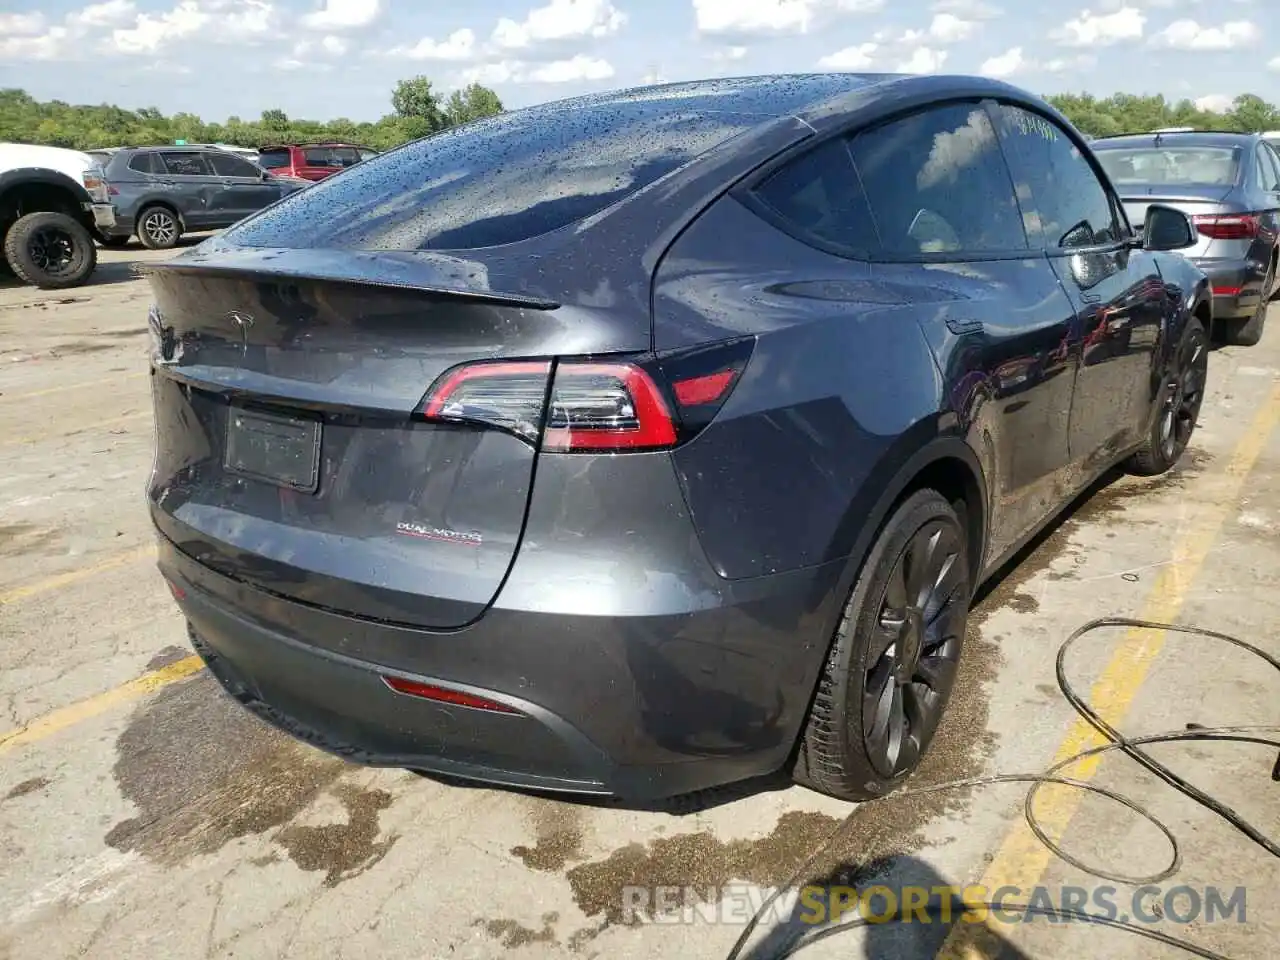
<point>841,391</point>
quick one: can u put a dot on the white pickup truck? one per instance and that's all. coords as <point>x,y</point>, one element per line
<point>52,204</point>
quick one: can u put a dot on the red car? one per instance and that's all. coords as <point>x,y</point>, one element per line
<point>312,161</point>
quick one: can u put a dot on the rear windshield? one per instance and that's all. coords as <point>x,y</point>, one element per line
<point>273,159</point>
<point>336,157</point>
<point>496,181</point>
<point>1214,166</point>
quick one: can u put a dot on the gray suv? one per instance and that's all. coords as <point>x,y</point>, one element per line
<point>160,193</point>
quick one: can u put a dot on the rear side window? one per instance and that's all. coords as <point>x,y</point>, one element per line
<point>1063,201</point>
<point>1266,173</point>
<point>496,181</point>
<point>144,163</point>
<point>274,159</point>
<point>820,196</point>
<point>229,165</point>
<point>937,183</point>
<point>185,164</point>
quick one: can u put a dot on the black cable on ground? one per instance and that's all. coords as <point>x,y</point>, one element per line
<point>1131,746</point>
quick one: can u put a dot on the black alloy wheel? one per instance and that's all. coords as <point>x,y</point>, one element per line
<point>895,656</point>
<point>1184,394</point>
<point>914,650</point>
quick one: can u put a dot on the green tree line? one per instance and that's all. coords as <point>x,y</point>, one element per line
<point>419,110</point>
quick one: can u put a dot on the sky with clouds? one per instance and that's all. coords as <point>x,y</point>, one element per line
<point>328,58</point>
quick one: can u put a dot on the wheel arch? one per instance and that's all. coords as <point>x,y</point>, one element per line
<point>149,202</point>
<point>945,463</point>
<point>36,189</point>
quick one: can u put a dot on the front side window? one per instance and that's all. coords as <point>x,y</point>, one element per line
<point>819,194</point>
<point>185,164</point>
<point>1064,203</point>
<point>937,183</point>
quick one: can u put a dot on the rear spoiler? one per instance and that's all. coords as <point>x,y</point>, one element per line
<point>262,271</point>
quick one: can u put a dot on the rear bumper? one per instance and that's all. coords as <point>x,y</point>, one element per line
<point>104,216</point>
<point>638,707</point>
<point>1237,286</point>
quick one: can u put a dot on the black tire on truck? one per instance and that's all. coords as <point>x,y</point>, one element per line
<point>50,250</point>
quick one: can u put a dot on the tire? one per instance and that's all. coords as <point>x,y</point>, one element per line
<point>896,633</point>
<point>158,228</point>
<point>1180,402</point>
<point>50,250</point>
<point>1247,333</point>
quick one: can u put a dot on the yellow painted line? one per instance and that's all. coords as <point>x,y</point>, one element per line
<point>74,576</point>
<point>72,386</point>
<point>88,430</point>
<point>69,716</point>
<point>1022,859</point>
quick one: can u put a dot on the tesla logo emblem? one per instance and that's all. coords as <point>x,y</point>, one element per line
<point>243,322</point>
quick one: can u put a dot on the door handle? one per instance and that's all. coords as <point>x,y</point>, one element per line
<point>962,327</point>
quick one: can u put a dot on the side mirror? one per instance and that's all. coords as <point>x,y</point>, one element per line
<point>1167,229</point>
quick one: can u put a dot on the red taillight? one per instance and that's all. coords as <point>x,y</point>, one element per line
<point>428,691</point>
<point>1241,226</point>
<point>1227,291</point>
<point>506,395</point>
<point>593,406</point>
<point>177,591</point>
<point>606,406</point>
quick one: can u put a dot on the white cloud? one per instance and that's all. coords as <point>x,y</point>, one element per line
<point>948,28</point>
<point>580,67</point>
<point>1085,61</point>
<point>560,20</point>
<point>1189,35</point>
<point>859,57</point>
<point>343,14</point>
<point>52,45</point>
<point>923,60</point>
<point>744,17</point>
<point>952,152</point>
<point>214,20</point>
<point>459,45</point>
<point>1006,64</point>
<point>21,24</point>
<point>1215,103</point>
<point>968,9</point>
<point>728,54</point>
<point>653,77</point>
<point>1274,64</point>
<point>1101,30</point>
<point>113,13</point>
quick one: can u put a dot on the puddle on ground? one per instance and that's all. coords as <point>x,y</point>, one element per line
<point>202,771</point>
<point>27,786</point>
<point>557,831</point>
<point>342,850</point>
<point>26,539</point>
<point>513,935</point>
<point>879,832</point>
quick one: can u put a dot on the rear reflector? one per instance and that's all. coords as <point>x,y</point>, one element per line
<point>1227,227</point>
<point>427,691</point>
<point>696,391</point>
<point>1227,291</point>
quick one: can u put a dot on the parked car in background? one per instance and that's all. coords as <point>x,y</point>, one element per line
<point>1229,183</point>
<point>52,201</point>
<point>312,161</point>
<point>650,440</point>
<point>160,193</point>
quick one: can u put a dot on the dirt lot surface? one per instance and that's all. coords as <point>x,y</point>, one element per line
<point>142,814</point>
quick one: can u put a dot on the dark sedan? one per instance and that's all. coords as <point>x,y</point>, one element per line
<point>648,441</point>
<point>1229,183</point>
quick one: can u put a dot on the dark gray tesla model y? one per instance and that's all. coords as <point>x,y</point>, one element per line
<point>648,441</point>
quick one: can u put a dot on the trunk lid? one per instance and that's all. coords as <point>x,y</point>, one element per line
<point>1192,199</point>
<point>288,453</point>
